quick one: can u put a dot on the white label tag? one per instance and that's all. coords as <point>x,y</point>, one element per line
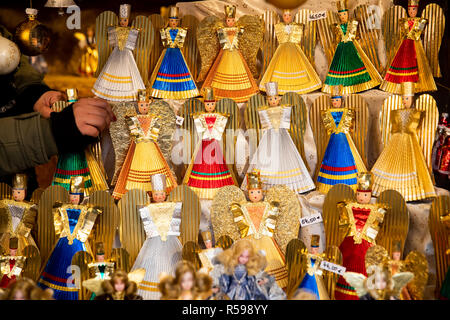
<point>179,121</point>
<point>312,219</point>
<point>314,16</point>
<point>335,268</point>
<point>371,233</point>
<point>319,272</point>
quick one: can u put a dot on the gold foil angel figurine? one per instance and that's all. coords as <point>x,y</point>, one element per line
<point>172,78</point>
<point>404,164</point>
<point>144,157</point>
<point>100,269</point>
<point>410,60</point>
<point>269,220</point>
<point>233,46</point>
<point>289,66</point>
<point>12,265</point>
<point>350,66</point>
<point>119,78</point>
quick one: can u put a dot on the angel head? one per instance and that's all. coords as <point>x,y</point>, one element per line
<point>119,282</point>
<point>287,16</point>
<point>159,187</point>
<point>207,239</point>
<point>124,15</point>
<point>209,99</point>
<point>337,99</point>
<point>100,252</point>
<point>174,18</point>
<point>254,186</point>
<point>76,192</point>
<point>379,282</point>
<point>413,8</point>
<point>364,187</point>
<point>397,251</point>
<point>143,101</point>
<point>19,188</point>
<point>342,8</point>
<point>242,252</point>
<point>26,289</point>
<point>13,246</point>
<point>315,243</point>
<point>230,15</point>
<point>272,94</point>
<point>408,89</point>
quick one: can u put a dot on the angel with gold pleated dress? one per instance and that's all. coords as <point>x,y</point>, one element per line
<point>119,78</point>
<point>73,224</point>
<point>144,157</point>
<point>277,158</point>
<point>208,170</point>
<point>233,47</point>
<point>269,220</point>
<point>11,265</point>
<point>404,163</point>
<point>350,66</point>
<point>341,160</point>
<point>172,78</point>
<point>410,62</point>
<point>289,65</point>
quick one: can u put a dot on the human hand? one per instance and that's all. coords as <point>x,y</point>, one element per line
<point>92,115</point>
<point>44,104</point>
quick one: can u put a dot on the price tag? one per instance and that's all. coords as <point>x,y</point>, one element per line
<point>335,268</point>
<point>312,219</point>
<point>179,121</point>
<point>314,16</point>
<point>371,233</point>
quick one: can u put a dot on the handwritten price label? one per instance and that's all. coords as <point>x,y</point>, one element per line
<point>317,16</point>
<point>335,268</point>
<point>312,219</point>
<point>179,121</point>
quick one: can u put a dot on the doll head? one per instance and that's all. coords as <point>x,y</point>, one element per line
<point>315,239</point>
<point>124,15</point>
<point>159,187</point>
<point>209,99</point>
<point>26,289</point>
<point>230,15</point>
<point>76,193</point>
<point>364,187</point>
<point>99,252</point>
<point>19,187</point>
<point>143,102</point>
<point>342,9</point>
<point>397,251</point>
<point>185,276</point>
<point>174,19</point>
<point>242,252</point>
<point>207,239</point>
<point>287,16</point>
<point>337,99</point>
<point>272,94</point>
<point>408,89</point>
<point>413,8</point>
<point>119,283</point>
<point>13,245</point>
<point>254,187</point>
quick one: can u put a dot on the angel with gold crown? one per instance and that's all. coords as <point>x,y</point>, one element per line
<point>410,62</point>
<point>233,46</point>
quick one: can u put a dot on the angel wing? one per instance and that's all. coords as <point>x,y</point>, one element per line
<point>94,286</point>
<point>309,39</point>
<point>81,259</point>
<point>295,264</point>
<point>290,212</point>
<point>433,34</point>
<point>190,253</point>
<point>102,22</point>
<point>137,275</point>
<point>333,255</point>
<point>401,279</point>
<point>143,45</point>
<point>156,48</point>
<point>208,44</point>
<point>375,256</point>
<point>251,40</point>
<point>326,33</point>
<point>356,280</point>
<point>269,46</point>
<point>332,213</point>
<point>252,122</point>
<point>32,263</point>
<point>5,191</point>
<point>121,259</point>
<point>222,218</point>
<point>190,48</point>
<point>224,242</point>
<point>391,30</point>
<point>416,263</point>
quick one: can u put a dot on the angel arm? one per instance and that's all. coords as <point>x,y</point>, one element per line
<point>344,221</point>
<point>88,224</point>
<point>112,36</point>
<point>57,218</point>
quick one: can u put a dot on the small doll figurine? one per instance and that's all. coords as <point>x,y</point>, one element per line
<point>350,66</point>
<point>289,65</point>
<point>277,158</point>
<point>341,161</point>
<point>144,157</point>
<point>410,63</point>
<point>26,289</point>
<point>313,280</point>
<point>11,266</point>
<point>236,275</point>
<point>73,223</point>
<point>207,256</point>
<point>208,170</point>
<point>120,80</point>
<point>162,248</point>
<point>119,287</point>
<point>172,78</point>
<point>101,269</point>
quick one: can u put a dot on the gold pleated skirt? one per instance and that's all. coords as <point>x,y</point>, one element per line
<point>402,167</point>
<point>97,178</point>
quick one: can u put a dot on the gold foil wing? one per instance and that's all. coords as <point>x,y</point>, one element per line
<point>157,47</point>
<point>144,44</point>
<point>32,265</point>
<point>208,44</point>
<point>269,46</point>
<point>190,253</point>
<point>416,262</point>
<point>401,279</point>
<point>333,255</point>
<point>252,117</point>
<point>309,39</point>
<point>81,259</point>
<point>94,285</point>
<point>5,218</point>
<point>102,22</point>
<point>321,126</point>
<point>432,36</point>
<point>251,40</point>
<point>360,127</point>
<point>375,256</point>
<point>190,48</point>
<point>5,191</point>
<point>295,264</point>
<point>224,242</point>
<point>222,218</point>
<point>290,212</point>
<point>391,29</point>
<point>326,33</point>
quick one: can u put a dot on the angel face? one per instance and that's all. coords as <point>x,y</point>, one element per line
<point>244,257</point>
<point>287,17</point>
<point>90,32</point>
<point>255,195</point>
<point>123,22</point>
<point>74,198</point>
<point>412,11</point>
<point>363,197</point>
<point>230,22</point>
<point>274,100</point>
<point>208,244</point>
<point>173,23</point>
<point>119,285</point>
<point>343,16</point>
<point>407,101</point>
<point>19,194</point>
<point>210,106</point>
<point>159,196</point>
<point>13,252</point>
<point>336,102</point>
<point>380,281</point>
<point>187,281</point>
<point>314,250</point>
<point>396,255</point>
<point>143,107</point>
<point>100,258</point>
